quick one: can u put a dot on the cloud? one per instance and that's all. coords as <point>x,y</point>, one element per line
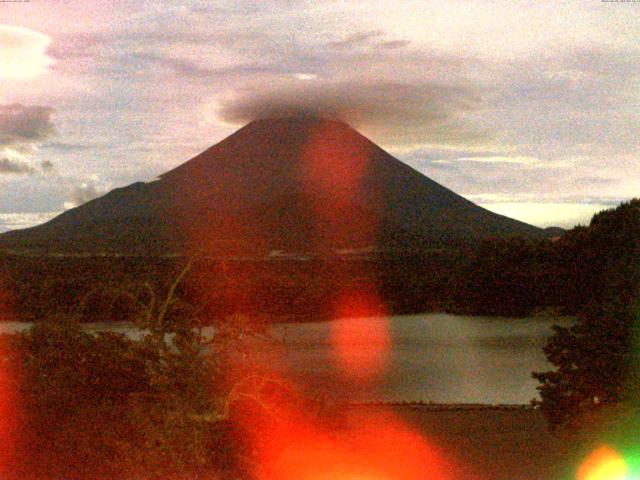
<point>357,39</point>
<point>24,124</point>
<point>189,68</point>
<point>66,147</point>
<point>82,193</point>
<point>365,39</point>
<point>391,44</point>
<point>549,198</point>
<point>8,166</point>
<point>22,128</point>
<point>15,166</point>
<point>523,160</point>
<point>393,113</point>
<point>582,98</point>
<point>519,160</point>
<point>548,214</point>
<point>22,53</point>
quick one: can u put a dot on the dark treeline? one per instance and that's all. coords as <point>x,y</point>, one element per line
<point>596,360</point>
<point>108,288</point>
<point>511,277</point>
<point>578,272</point>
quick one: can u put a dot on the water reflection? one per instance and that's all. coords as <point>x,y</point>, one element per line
<point>433,357</point>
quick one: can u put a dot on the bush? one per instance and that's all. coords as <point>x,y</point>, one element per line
<point>103,406</point>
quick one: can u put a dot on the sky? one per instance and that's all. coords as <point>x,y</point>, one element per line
<point>530,109</point>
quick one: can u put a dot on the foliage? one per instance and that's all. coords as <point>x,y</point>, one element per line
<point>105,406</point>
<point>596,359</point>
<point>102,405</point>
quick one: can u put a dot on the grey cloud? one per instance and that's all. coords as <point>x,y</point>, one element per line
<point>391,44</point>
<point>598,180</point>
<point>82,193</point>
<point>551,180</point>
<point>429,155</point>
<point>8,166</point>
<point>248,7</point>
<point>393,113</point>
<point>362,39</point>
<point>602,61</point>
<point>580,98</point>
<point>24,124</point>
<point>22,127</point>
<point>17,167</point>
<point>259,52</point>
<point>489,198</point>
<point>192,69</point>
<point>356,39</point>
<point>78,45</point>
<point>66,147</point>
<point>114,49</point>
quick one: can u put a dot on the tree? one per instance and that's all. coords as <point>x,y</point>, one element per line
<point>596,358</point>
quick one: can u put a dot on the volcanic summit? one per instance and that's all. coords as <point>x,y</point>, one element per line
<point>303,185</point>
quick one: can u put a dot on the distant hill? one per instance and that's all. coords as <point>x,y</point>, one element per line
<point>302,185</point>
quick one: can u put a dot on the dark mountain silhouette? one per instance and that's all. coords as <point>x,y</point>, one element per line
<point>296,185</point>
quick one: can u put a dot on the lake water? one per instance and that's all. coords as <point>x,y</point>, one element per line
<point>431,357</point>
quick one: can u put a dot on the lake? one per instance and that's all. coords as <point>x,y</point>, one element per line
<point>432,357</point>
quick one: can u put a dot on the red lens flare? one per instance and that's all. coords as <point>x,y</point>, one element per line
<point>374,446</point>
<point>360,335</point>
<point>8,402</point>
<point>8,392</point>
<point>333,170</point>
<point>333,162</point>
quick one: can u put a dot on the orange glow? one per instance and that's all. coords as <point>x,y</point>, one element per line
<point>375,446</point>
<point>604,463</point>
<point>361,343</point>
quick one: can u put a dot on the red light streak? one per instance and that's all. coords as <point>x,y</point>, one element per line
<point>8,393</point>
<point>361,341</point>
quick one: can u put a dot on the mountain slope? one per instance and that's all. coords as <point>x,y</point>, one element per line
<point>305,185</point>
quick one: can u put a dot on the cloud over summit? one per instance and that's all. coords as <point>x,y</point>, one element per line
<point>396,113</point>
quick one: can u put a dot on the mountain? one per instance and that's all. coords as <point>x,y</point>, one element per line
<point>291,185</point>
